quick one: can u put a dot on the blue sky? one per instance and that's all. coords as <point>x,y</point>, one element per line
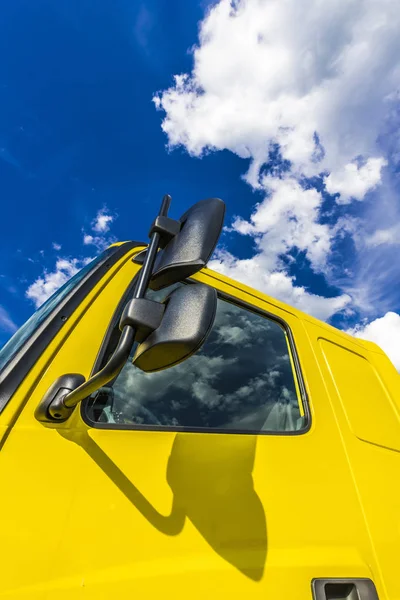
<point>296,130</point>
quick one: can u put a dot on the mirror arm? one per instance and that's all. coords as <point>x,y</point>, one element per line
<point>61,407</point>
<point>166,227</point>
<point>59,402</point>
<point>151,254</point>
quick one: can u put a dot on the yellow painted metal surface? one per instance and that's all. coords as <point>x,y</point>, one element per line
<point>100,514</point>
<point>366,403</point>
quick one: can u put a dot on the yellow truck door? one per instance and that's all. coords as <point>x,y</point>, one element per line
<point>224,476</point>
<point>365,390</point>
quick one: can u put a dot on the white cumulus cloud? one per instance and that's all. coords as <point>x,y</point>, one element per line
<point>102,222</point>
<point>319,82</point>
<point>313,77</point>
<point>88,239</point>
<point>99,241</point>
<point>100,227</point>
<point>385,332</point>
<point>255,273</point>
<point>45,286</point>
<point>287,217</point>
<point>355,181</point>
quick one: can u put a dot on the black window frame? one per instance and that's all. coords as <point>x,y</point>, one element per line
<point>14,372</point>
<point>179,429</point>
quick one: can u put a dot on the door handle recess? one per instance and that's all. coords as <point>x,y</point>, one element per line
<point>344,589</point>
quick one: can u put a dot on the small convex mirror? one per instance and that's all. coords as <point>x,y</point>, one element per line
<point>187,321</point>
<point>189,250</point>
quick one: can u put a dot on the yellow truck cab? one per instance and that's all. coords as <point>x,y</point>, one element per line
<point>167,432</point>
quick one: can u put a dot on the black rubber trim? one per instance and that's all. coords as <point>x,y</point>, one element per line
<point>104,349</point>
<point>233,300</point>
<point>19,367</point>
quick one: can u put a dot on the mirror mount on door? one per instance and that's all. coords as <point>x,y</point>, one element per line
<point>177,250</point>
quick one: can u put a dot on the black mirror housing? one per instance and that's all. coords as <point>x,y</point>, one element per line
<point>167,333</point>
<point>187,321</point>
<point>189,250</point>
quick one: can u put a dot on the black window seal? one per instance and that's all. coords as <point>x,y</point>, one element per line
<point>19,367</point>
<point>178,429</point>
<point>100,358</point>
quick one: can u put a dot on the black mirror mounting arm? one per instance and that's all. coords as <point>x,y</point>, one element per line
<point>166,227</point>
<point>68,390</point>
<point>60,400</point>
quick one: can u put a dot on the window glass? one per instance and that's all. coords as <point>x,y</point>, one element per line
<point>241,380</point>
<point>14,344</point>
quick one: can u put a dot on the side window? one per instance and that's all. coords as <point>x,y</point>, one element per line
<point>242,380</point>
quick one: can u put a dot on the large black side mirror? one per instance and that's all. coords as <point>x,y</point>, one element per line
<point>188,242</point>
<point>187,320</point>
<point>167,332</point>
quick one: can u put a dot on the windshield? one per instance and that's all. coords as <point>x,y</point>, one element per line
<point>11,348</point>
